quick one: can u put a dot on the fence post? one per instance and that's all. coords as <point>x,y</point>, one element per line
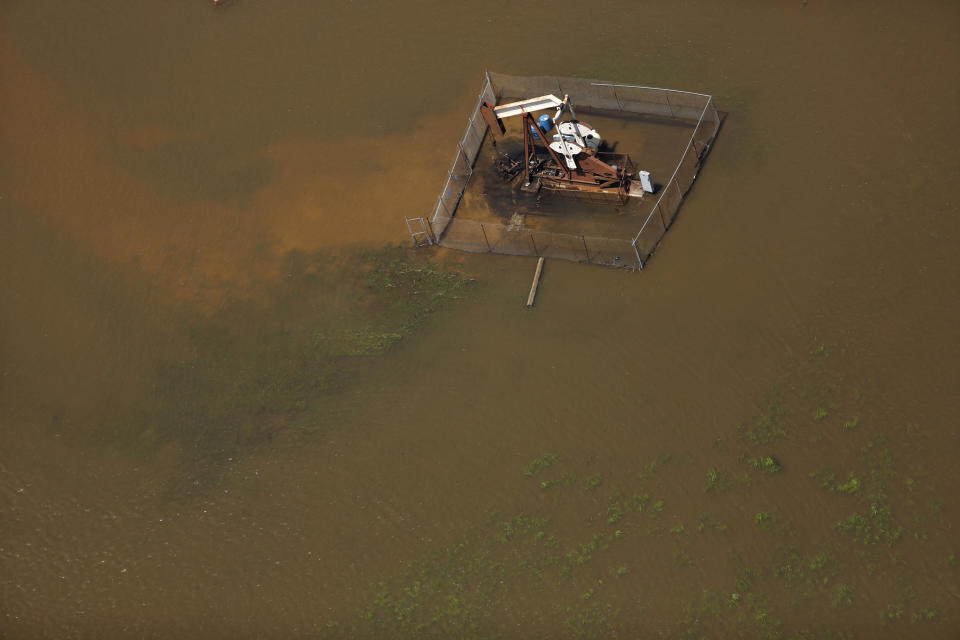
<point>637,251</point>
<point>484,231</point>
<point>617,97</point>
<point>535,252</point>
<point>663,225</point>
<point>666,96</point>
<point>585,250</point>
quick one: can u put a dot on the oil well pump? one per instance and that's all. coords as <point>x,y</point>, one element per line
<point>573,163</point>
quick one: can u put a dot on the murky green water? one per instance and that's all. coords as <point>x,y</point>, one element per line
<point>221,416</point>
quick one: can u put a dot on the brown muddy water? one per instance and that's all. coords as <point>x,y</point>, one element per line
<point>226,410</point>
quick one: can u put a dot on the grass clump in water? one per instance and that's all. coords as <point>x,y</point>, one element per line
<point>850,425</point>
<point>614,513</point>
<point>843,596</point>
<point>640,501</point>
<point>768,427</point>
<point>850,486</point>
<point>876,525</point>
<point>539,464</point>
<point>766,464</point>
<point>584,553</point>
<point>821,350</point>
<point>594,481</point>
<point>716,479</point>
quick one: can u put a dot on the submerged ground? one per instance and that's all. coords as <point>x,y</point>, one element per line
<point>230,406</point>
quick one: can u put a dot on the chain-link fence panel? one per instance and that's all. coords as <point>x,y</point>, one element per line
<point>705,132</point>
<point>611,252</point>
<point>653,102</point>
<point>457,177</point>
<point>559,245</point>
<point>456,233</point>
<point>670,201</point>
<point>688,106</point>
<point>473,139</point>
<point>687,169</point>
<point>650,233</point>
<point>512,241</point>
<point>590,95</point>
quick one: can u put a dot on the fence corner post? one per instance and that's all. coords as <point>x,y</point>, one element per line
<point>636,250</point>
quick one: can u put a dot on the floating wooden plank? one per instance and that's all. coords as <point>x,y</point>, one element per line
<point>536,282</point>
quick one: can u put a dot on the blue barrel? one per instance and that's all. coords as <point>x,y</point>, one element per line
<point>545,123</point>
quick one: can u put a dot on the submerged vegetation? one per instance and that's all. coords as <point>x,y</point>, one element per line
<point>543,462</point>
<point>258,367</point>
<point>766,464</point>
<point>592,543</point>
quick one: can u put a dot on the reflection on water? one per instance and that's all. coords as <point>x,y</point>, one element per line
<point>218,417</point>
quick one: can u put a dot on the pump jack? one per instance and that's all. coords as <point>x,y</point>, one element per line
<point>572,164</point>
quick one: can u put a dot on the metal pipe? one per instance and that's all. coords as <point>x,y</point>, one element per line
<point>636,86</point>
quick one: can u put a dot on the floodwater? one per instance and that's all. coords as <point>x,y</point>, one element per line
<point>196,440</point>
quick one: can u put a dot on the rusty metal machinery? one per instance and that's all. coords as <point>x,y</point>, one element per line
<point>572,163</point>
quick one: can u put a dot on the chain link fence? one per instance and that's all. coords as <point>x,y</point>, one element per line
<point>451,231</point>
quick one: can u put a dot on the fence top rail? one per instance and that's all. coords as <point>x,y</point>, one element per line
<point>636,86</point>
